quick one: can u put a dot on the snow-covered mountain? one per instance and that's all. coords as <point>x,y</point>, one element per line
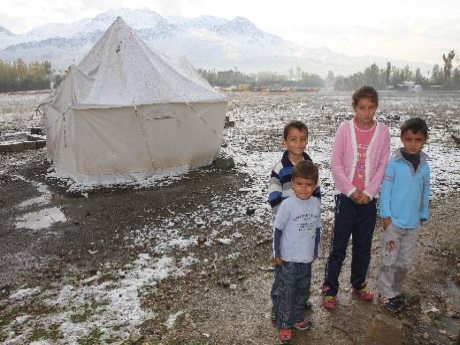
<point>208,42</point>
<point>6,37</point>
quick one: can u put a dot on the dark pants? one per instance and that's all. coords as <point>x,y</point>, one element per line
<point>359,221</point>
<point>275,287</point>
<point>293,280</point>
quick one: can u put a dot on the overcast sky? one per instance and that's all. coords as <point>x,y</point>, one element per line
<point>407,29</point>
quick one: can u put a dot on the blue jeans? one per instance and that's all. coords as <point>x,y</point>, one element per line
<point>274,290</point>
<point>293,280</point>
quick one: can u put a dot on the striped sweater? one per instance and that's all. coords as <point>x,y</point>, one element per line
<point>279,186</point>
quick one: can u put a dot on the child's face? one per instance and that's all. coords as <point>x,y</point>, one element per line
<point>303,187</point>
<point>296,141</point>
<point>365,111</point>
<point>413,142</point>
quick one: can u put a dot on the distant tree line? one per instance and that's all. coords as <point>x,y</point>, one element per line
<point>19,76</point>
<point>260,80</point>
<point>445,77</point>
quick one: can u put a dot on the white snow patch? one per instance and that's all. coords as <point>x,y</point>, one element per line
<point>169,323</point>
<point>225,241</point>
<point>233,256</point>
<point>24,293</point>
<point>114,306</point>
<point>21,319</point>
<point>188,261</point>
<point>39,200</point>
<point>41,219</point>
<point>178,243</point>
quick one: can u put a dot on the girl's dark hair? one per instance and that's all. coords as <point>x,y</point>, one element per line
<point>294,124</point>
<point>365,92</point>
<point>305,169</point>
<point>415,125</point>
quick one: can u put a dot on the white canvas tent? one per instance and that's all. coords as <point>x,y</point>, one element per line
<point>126,112</point>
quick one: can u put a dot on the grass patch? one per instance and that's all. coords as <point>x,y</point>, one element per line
<point>51,333</point>
<point>81,317</point>
<point>112,340</point>
<point>87,310</point>
<point>94,337</point>
<point>38,307</point>
<point>33,308</point>
<point>109,276</point>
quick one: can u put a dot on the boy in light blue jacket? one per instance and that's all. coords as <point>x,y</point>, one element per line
<point>404,201</point>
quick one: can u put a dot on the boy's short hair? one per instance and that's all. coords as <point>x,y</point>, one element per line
<point>305,169</point>
<point>415,125</point>
<point>294,124</point>
<point>365,92</point>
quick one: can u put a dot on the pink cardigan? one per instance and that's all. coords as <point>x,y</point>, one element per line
<point>345,156</point>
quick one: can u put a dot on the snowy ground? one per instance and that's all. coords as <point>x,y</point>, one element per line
<point>130,263</point>
<point>17,110</point>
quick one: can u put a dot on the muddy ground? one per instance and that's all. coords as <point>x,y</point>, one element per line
<point>222,296</point>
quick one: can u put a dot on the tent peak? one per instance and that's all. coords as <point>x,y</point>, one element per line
<point>119,23</point>
<point>119,19</point>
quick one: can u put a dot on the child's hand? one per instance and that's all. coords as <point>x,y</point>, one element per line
<point>363,199</point>
<point>359,197</point>
<point>355,196</point>
<point>277,261</point>
<point>386,223</point>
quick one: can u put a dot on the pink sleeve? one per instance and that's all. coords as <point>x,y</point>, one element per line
<point>384,153</point>
<point>342,183</point>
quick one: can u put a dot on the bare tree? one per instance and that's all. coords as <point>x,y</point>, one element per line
<point>447,66</point>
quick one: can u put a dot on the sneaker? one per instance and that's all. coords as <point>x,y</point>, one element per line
<point>401,300</point>
<point>364,294</point>
<point>302,326</point>
<point>285,336</point>
<point>392,304</point>
<point>329,302</point>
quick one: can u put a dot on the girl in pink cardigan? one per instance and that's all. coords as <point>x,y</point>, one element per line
<point>359,156</point>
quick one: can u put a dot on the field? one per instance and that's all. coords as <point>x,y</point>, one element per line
<point>184,259</point>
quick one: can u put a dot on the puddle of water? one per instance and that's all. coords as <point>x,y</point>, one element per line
<point>446,326</point>
<point>454,295</point>
<point>43,199</point>
<point>40,200</point>
<point>41,219</point>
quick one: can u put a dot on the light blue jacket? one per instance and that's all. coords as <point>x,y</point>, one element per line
<point>404,195</point>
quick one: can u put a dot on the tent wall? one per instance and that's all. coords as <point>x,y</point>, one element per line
<point>60,140</point>
<point>146,140</point>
